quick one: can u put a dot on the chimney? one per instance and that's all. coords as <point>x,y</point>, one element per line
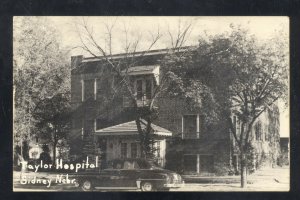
<point>75,61</point>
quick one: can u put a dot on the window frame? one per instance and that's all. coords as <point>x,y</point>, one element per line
<point>122,150</point>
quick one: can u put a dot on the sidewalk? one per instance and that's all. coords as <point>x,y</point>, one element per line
<point>267,179</point>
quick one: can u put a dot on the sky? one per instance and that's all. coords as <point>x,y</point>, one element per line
<point>262,27</point>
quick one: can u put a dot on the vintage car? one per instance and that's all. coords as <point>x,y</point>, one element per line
<point>129,174</point>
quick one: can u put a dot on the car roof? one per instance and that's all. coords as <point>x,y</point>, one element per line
<point>128,159</point>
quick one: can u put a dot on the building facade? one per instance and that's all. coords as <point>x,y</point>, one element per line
<point>184,142</point>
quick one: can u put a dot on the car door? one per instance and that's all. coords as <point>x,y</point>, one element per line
<point>109,177</point>
<point>130,174</point>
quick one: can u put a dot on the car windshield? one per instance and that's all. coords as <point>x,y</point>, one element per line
<point>144,164</point>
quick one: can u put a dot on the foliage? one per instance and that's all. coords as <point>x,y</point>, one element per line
<point>40,72</point>
<point>245,76</point>
<point>52,117</point>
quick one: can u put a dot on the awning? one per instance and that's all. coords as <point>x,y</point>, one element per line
<point>130,129</point>
<point>144,70</point>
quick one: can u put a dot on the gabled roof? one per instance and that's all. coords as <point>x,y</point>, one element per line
<point>130,128</point>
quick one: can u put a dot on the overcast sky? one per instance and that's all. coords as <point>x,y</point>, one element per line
<point>262,27</point>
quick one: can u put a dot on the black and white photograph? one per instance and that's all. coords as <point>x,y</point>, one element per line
<point>151,104</point>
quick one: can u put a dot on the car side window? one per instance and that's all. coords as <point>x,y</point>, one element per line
<point>128,165</point>
<point>118,165</point>
<point>136,165</point>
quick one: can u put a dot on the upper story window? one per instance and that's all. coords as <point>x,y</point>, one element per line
<point>139,89</point>
<point>148,88</point>
<point>143,88</point>
<point>191,126</point>
<point>89,88</point>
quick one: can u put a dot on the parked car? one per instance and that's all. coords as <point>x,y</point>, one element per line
<point>130,174</point>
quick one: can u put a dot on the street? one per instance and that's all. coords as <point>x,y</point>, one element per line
<point>272,179</point>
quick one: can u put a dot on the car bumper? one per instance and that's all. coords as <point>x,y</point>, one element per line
<point>174,185</point>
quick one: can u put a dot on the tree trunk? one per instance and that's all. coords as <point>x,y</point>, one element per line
<point>243,171</point>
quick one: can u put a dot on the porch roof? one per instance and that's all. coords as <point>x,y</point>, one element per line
<point>130,128</point>
<point>144,70</point>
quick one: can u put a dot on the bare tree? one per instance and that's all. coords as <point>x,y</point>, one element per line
<point>121,66</point>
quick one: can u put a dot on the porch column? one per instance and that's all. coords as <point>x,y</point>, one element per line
<point>198,126</point>
<point>198,164</point>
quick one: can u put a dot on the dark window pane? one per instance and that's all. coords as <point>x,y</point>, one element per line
<point>123,150</point>
<point>88,89</point>
<point>190,163</point>
<point>148,89</point>
<point>158,149</point>
<point>133,150</point>
<point>206,163</point>
<point>139,89</point>
<point>190,125</point>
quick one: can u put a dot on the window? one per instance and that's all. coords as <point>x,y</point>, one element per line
<point>123,150</point>
<point>206,164</point>
<point>139,89</point>
<point>158,149</point>
<point>88,89</point>
<point>190,125</point>
<point>190,163</point>
<point>148,89</point>
<point>144,88</point>
<point>131,165</point>
<point>103,87</point>
<point>133,150</point>
<point>235,162</point>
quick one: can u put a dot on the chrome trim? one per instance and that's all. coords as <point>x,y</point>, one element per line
<point>174,185</point>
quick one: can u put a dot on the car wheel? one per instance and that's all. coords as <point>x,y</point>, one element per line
<point>86,185</point>
<point>147,186</point>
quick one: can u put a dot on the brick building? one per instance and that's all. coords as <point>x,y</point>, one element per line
<point>183,140</point>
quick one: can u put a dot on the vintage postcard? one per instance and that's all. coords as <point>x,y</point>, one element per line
<point>151,104</point>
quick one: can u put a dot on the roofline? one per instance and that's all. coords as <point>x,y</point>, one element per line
<point>139,53</point>
<point>129,133</point>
